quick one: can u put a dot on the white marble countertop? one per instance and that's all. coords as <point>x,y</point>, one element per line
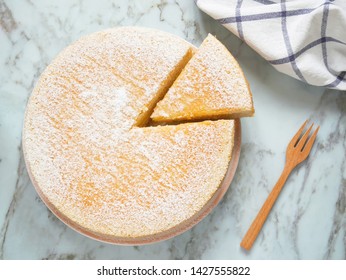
<point>307,222</point>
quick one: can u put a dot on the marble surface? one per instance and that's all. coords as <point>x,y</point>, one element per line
<point>307,222</point>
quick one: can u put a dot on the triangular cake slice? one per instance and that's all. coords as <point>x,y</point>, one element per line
<point>211,86</point>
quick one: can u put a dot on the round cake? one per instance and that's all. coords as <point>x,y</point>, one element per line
<point>95,159</point>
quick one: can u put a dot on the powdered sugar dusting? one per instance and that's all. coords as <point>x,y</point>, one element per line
<point>88,157</point>
<point>211,84</point>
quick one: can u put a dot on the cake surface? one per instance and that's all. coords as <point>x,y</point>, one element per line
<point>87,154</point>
<point>211,86</point>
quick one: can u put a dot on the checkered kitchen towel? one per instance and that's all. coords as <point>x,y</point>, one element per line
<point>305,39</point>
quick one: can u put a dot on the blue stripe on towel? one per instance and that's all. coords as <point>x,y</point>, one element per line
<point>238,17</point>
<point>306,48</point>
<point>262,16</point>
<point>288,42</point>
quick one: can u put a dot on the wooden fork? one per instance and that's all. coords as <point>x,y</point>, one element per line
<point>297,151</point>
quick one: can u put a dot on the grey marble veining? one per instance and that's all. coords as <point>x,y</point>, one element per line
<point>307,222</point>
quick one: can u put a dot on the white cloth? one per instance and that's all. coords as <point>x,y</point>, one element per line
<point>305,39</point>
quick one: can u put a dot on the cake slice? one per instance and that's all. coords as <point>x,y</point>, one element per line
<point>211,86</point>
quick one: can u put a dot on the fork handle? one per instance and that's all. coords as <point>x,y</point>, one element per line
<point>262,215</point>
